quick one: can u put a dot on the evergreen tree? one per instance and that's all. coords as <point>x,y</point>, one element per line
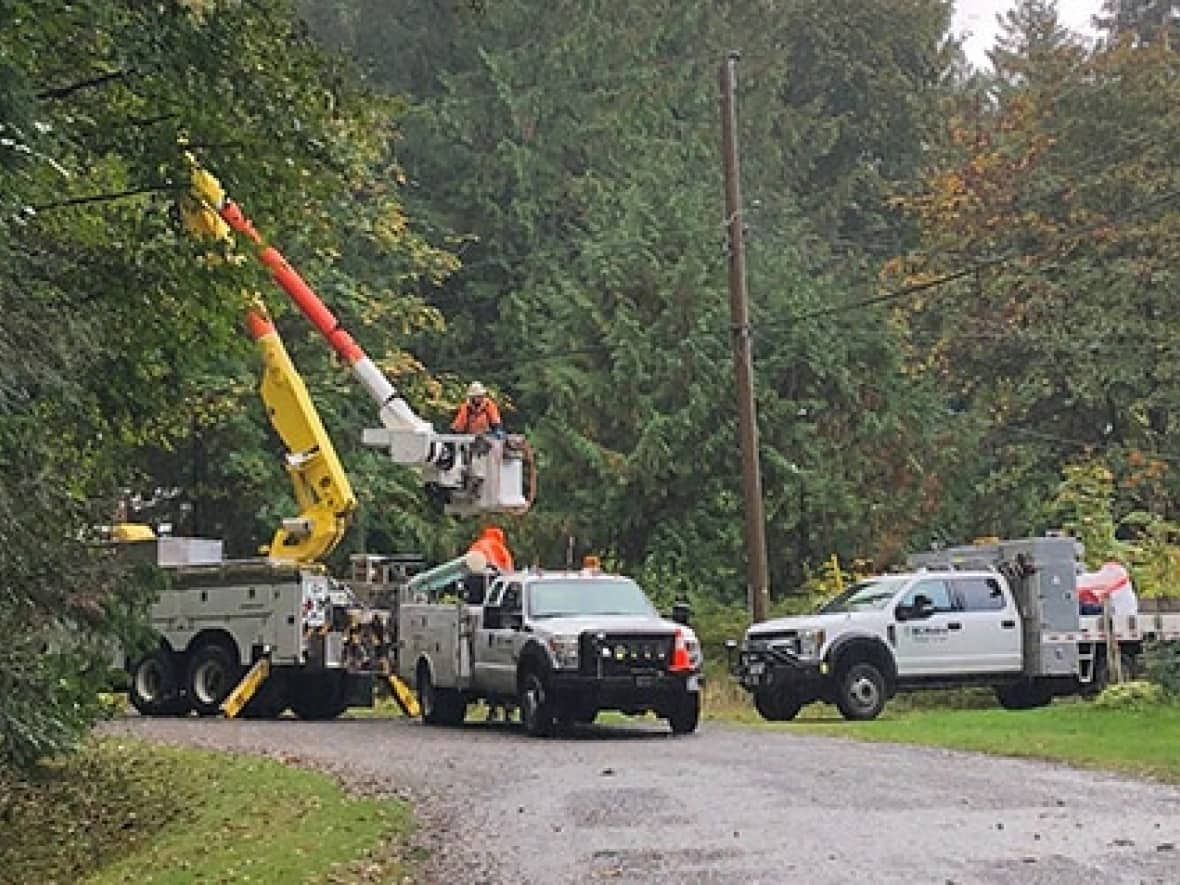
<point>1050,219</point>
<point>574,158</point>
<point>1143,21</point>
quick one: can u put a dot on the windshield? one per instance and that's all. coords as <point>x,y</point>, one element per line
<point>874,593</point>
<point>558,598</point>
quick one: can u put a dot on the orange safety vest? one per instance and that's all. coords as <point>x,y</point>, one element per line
<point>480,420</point>
<point>491,545</point>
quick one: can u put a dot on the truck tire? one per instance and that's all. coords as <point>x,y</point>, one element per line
<point>777,703</point>
<point>212,675</point>
<point>318,696</point>
<point>439,706</point>
<point>860,693</point>
<point>536,709</point>
<point>687,715</point>
<point>154,690</point>
<point>1027,694</point>
<point>452,707</point>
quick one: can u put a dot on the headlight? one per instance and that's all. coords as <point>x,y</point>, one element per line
<point>811,642</point>
<point>564,650</point>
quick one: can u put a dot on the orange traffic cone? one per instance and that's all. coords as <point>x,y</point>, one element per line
<point>681,662</point>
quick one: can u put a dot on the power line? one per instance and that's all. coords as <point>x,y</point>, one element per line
<point>973,268</point>
<point>886,297</point>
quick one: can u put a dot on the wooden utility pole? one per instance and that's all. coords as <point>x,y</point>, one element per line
<point>757,580</point>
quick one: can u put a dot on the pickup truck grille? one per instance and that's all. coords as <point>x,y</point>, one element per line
<point>781,647</point>
<point>621,654</point>
<point>776,636</point>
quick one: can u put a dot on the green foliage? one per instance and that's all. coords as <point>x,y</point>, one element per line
<point>122,363</point>
<point>1046,214</point>
<point>1082,507</point>
<point>1161,665</point>
<point>574,159</point>
<point>1153,554</point>
<point>1142,21</point>
<point>1137,695</point>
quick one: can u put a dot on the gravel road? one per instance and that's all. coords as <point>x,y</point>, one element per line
<point>727,804</point>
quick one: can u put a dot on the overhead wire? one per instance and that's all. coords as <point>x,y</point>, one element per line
<point>769,325</point>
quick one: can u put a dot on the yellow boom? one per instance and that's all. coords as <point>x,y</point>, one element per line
<point>320,485</point>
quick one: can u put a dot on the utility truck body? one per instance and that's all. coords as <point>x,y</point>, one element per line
<point>560,645</point>
<point>1002,614</point>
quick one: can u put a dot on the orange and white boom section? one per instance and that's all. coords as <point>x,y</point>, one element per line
<point>472,475</point>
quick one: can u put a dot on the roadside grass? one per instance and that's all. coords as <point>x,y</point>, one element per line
<point>127,811</point>
<point>1143,741</point>
<point>1140,742</point>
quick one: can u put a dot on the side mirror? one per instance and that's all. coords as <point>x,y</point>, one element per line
<point>922,607</point>
<point>682,613</point>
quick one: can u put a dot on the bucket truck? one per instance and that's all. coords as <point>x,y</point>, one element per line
<point>302,639</point>
<point>260,635</point>
<point>257,636</point>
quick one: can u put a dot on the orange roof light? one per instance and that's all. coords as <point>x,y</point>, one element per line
<point>592,563</point>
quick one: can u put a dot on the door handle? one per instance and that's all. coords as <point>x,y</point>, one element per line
<point>954,625</point>
<point>1008,625</point>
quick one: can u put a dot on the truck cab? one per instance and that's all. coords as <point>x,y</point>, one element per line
<point>560,645</point>
<point>926,627</point>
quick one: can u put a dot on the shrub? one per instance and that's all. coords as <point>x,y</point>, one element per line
<point>1130,696</point>
<point>1161,665</point>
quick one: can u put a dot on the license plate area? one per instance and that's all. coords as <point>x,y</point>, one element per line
<point>647,680</point>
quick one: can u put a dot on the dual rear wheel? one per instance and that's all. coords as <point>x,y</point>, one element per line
<point>166,684</point>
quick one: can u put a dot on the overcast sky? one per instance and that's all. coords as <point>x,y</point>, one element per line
<point>979,18</point>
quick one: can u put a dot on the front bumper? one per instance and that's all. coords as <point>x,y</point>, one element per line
<point>764,668</point>
<point>641,690</point>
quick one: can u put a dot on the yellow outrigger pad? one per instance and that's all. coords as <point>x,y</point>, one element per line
<point>404,697</point>
<point>246,689</point>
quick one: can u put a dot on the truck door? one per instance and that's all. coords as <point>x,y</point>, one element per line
<point>495,642</point>
<point>991,629</point>
<point>930,629</point>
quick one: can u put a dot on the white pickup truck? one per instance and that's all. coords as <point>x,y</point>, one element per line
<point>560,645</point>
<point>1003,615</point>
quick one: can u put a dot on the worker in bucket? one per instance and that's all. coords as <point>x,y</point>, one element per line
<point>478,414</point>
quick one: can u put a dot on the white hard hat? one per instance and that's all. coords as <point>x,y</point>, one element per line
<point>476,389</point>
